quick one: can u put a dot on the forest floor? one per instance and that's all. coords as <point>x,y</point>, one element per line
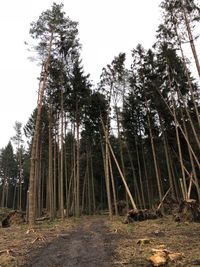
<point>98,242</point>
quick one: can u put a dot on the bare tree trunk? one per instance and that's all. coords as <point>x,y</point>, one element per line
<point>113,185</point>
<point>62,162</point>
<point>182,131</point>
<point>74,187</point>
<point>136,189</point>
<point>34,159</point>
<point>83,193</point>
<point>192,164</point>
<point>140,175</point>
<point>196,137</point>
<point>77,169</point>
<point>188,78</point>
<point>14,197</point>
<point>104,150</point>
<point>184,190</point>
<point>175,178</point>
<point>50,170</point>
<point>119,169</point>
<point>167,158</point>
<point>107,177</point>
<point>92,178</point>
<point>54,178</point>
<point>154,157</point>
<point>191,39</point>
<point>146,176</point>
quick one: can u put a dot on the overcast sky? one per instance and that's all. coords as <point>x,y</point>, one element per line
<point>106,28</point>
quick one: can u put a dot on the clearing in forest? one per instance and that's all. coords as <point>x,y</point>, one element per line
<point>98,242</point>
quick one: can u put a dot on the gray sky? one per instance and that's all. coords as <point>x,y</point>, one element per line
<point>106,28</point>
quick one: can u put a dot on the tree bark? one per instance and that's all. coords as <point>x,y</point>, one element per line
<point>34,160</point>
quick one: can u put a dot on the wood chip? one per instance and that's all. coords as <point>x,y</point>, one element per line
<point>175,256</point>
<point>158,259</point>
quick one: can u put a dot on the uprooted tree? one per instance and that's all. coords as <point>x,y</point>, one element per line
<point>132,139</point>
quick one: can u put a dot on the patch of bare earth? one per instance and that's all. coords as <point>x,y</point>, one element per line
<point>89,244</point>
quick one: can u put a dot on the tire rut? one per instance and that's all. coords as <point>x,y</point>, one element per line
<point>89,245</point>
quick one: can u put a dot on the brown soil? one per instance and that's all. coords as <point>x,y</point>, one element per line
<point>98,242</point>
<point>87,245</point>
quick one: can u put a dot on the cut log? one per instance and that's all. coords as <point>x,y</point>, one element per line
<point>159,259</point>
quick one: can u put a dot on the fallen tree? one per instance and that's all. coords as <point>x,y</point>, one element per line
<point>142,215</point>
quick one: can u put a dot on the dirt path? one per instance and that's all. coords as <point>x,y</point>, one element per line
<point>88,245</point>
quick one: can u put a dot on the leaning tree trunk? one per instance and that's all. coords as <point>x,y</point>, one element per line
<point>191,39</point>
<point>119,169</point>
<point>34,159</point>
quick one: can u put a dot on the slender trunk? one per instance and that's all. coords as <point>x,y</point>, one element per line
<point>77,169</point>
<point>59,169</point>
<point>104,150</point>
<point>14,197</point>
<point>107,177</point>
<point>140,175</point>
<point>192,164</point>
<point>180,156</point>
<point>54,178</point>
<point>135,182</point>
<point>167,158</point>
<point>50,173</point>
<point>181,129</point>
<point>34,162</point>
<point>148,182</point>
<point>154,157</point>
<point>113,185</point>
<point>173,172</point>
<point>191,39</point>
<point>65,163</point>
<point>39,177</point>
<point>194,100</point>
<point>83,193</point>
<point>62,162</point>
<point>119,169</point>
<point>74,187</point>
<point>88,181</point>
<point>92,178</point>
<point>121,150</point>
<point>196,137</point>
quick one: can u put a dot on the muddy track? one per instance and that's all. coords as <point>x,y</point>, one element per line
<point>88,245</point>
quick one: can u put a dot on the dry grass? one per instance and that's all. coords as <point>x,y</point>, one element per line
<point>175,237</point>
<point>16,241</point>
